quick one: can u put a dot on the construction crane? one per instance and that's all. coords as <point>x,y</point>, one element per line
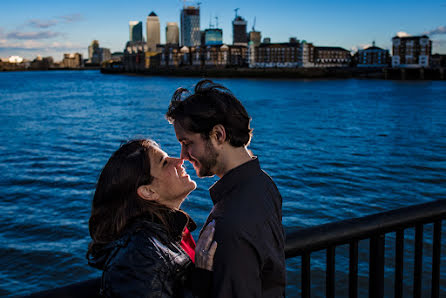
<point>236,10</point>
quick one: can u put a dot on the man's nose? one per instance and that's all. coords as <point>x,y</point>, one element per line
<point>184,155</point>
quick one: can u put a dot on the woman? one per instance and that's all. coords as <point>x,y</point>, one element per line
<point>140,237</point>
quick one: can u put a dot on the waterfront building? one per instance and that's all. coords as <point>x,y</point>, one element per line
<point>117,56</point>
<point>135,31</point>
<point>437,60</point>
<point>96,54</point>
<point>239,35</point>
<point>190,26</point>
<point>255,37</point>
<point>373,57</point>
<point>213,36</point>
<point>331,57</point>
<point>153,32</point>
<point>15,59</point>
<point>172,33</point>
<point>42,63</point>
<point>72,60</point>
<point>306,54</point>
<point>411,51</point>
<point>276,55</point>
<point>134,58</point>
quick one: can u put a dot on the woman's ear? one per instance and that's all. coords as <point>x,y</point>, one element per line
<point>219,133</point>
<point>147,193</point>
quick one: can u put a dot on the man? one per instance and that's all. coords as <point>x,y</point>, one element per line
<point>213,129</point>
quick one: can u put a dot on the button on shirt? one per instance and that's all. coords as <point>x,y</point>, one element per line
<point>250,258</point>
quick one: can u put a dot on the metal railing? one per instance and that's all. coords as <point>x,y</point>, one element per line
<point>327,237</point>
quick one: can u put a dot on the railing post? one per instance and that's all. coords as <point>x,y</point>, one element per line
<point>306,276</point>
<point>330,273</point>
<point>376,265</point>
<point>436,260</point>
<point>418,261</point>
<point>353,270</point>
<point>399,258</point>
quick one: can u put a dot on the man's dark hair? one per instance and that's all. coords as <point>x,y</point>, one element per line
<point>211,104</point>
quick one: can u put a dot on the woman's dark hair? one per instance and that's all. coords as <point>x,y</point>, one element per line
<point>211,104</point>
<point>116,202</point>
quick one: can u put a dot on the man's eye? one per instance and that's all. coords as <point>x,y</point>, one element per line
<point>164,162</point>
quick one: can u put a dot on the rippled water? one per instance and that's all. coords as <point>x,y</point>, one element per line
<point>336,149</point>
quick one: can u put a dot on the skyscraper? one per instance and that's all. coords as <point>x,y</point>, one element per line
<point>190,26</point>
<point>239,35</point>
<point>153,31</point>
<point>135,28</point>
<point>172,33</point>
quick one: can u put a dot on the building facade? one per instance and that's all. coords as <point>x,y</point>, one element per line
<point>172,33</point>
<point>239,34</point>
<point>72,60</point>
<point>213,36</point>
<point>135,31</point>
<point>331,57</point>
<point>275,55</point>
<point>153,32</point>
<point>255,37</point>
<point>373,57</point>
<point>411,51</point>
<point>190,26</point>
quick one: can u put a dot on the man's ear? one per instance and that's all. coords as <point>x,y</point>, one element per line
<point>147,193</point>
<point>218,133</point>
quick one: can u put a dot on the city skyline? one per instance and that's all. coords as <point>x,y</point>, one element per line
<point>61,28</point>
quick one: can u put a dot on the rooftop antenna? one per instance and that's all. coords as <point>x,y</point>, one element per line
<point>254,24</point>
<point>216,22</point>
<point>198,4</point>
<point>236,10</point>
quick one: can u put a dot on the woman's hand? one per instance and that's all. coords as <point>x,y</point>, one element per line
<point>205,249</point>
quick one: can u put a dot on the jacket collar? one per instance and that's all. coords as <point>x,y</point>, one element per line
<point>232,178</point>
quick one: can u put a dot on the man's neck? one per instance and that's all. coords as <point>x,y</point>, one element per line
<point>232,158</point>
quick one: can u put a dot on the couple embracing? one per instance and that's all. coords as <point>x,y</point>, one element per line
<point>141,238</point>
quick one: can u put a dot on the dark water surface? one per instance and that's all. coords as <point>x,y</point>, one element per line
<point>337,149</point>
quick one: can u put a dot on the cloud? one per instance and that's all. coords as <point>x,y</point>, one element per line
<point>439,42</point>
<point>402,34</point>
<point>42,24</point>
<point>76,17</point>
<point>360,47</point>
<point>438,30</point>
<point>32,45</point>
<point>71,18</point>
<point>33,35</point>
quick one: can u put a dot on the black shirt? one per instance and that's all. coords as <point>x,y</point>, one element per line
<point>250,258</point>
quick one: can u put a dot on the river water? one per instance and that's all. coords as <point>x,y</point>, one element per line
<point>336,149</point>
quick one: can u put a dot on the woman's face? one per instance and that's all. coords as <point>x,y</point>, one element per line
<point>171,182</point>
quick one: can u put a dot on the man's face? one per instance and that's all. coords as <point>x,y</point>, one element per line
<point>199,151</point>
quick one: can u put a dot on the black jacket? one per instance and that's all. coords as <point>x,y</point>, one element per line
<point>148,262</point>
<point>250,258</point>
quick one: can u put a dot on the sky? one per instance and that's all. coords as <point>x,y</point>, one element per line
<point>52,28</point>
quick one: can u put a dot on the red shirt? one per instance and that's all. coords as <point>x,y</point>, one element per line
<point>188,244</point>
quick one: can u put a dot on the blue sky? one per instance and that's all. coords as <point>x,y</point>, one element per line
<point>51,28</point>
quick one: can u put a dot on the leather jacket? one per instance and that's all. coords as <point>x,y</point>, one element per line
<point>147,261</point>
